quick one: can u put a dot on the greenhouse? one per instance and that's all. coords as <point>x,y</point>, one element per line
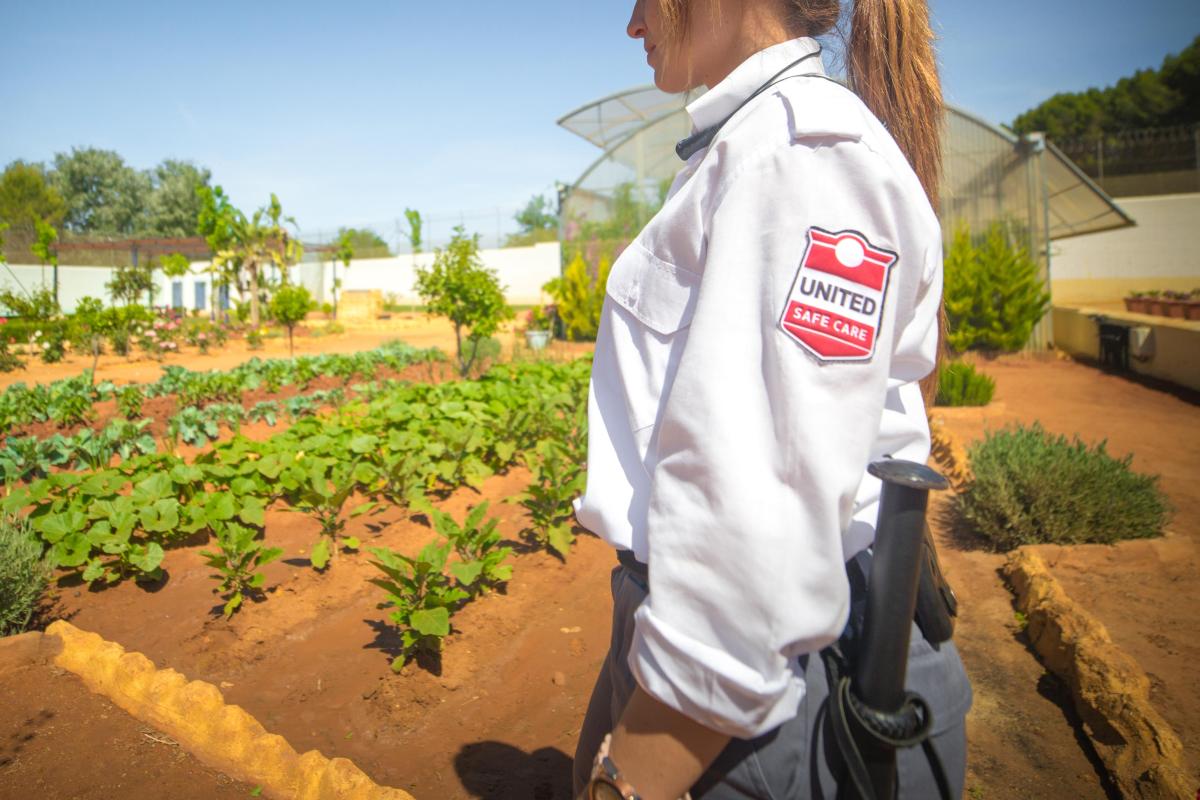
<point>989,175</point>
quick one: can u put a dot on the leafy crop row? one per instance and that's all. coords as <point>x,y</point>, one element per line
<point>115,522</point>
<point>69,401</point>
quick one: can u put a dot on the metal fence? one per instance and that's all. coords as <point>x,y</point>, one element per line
<point>1141,162</point>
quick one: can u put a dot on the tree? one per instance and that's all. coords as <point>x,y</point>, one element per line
<point>366,242</point>
<point>538,222</point>
<point>43,248</point>
<point>289,306</point>
<point>175,202</point>
<point>458,286</point>
<point>129,283</point>
<point>1147,99</point>
<point>103,194</point>
<point>414,229</point>
<point>242,246</point>
<point>25,198</point>
<point>344,252</point>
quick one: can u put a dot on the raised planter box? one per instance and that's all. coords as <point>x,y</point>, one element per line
<point>1176,309</point>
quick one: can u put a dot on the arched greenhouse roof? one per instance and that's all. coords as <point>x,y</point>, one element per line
<point>988,173</point>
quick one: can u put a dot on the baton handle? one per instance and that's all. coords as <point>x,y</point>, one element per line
<point>882,664</point>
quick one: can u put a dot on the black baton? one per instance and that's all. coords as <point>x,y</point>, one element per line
<point>883,716</point>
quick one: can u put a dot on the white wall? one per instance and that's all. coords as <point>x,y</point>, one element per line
<point>522,271</point>
<point>1162,251</point>
<point>75,282</point>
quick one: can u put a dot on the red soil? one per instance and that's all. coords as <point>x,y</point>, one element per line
<point>497,714</point>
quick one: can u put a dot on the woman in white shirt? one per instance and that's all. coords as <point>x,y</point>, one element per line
<point>762,341</point>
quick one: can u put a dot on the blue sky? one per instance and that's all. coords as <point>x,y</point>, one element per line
<point>352,111</point>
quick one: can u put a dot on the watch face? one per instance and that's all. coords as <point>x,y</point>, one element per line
<point>603,790</point>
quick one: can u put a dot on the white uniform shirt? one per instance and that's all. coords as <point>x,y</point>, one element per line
<point>760,343</point>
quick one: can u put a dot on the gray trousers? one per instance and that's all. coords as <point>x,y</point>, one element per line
<point>791,761</point>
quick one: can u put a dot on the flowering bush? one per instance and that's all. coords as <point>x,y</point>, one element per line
<point>540,318</point>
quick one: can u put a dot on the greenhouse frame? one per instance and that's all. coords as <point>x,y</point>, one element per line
<point>988,175</point>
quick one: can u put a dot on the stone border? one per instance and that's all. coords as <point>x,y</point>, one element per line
<point>195,714</point>
<point>1140,750</point>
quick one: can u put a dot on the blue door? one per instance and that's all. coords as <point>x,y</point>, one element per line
<point>176,294</point>
<point>201,296</point>
<point>223,298</point>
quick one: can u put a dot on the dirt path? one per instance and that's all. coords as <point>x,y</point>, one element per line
<point>60,740</point>
<point>413,329</point>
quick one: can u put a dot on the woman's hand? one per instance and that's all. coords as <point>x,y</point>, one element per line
<point>660,751</point>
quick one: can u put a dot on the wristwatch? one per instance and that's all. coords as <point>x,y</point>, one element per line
<point>607,783</point>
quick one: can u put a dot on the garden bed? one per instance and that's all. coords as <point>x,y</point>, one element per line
<point>497,714</point>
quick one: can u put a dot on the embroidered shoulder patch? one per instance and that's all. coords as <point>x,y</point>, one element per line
<point>836,303</point>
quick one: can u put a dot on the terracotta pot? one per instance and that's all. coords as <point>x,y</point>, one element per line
<point>1176,309</point>
<point>1191,309</point>
<point>1156,307</point>
<point>1138,305</point>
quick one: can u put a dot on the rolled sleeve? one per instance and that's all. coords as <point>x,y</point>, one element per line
<point>760,448</point>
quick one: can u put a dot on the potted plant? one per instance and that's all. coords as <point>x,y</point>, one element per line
<point>538,325</point>
<point>1137,302</point>
<point>1176,304</point>
<point>1192,308</point>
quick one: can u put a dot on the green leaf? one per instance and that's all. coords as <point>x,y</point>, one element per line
<point>363,443</point>
<point>71,551</point>
<point>233,604</point>
<point>561,539</point>
<point>154,488</point>
<point>150,559</point>
<point>257,581</point>
<point>431,622</point>
<point>397,664</point>
<point>221,506</point>
<point>54,527</point>
<point>466,572</point>
<point>362,509</point>
<point>93,571</point>
<point>253,511</point>
<point>351,543</point>
<point>320,554</point>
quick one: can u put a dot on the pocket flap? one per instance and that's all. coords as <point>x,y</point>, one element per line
<point>661,295</point>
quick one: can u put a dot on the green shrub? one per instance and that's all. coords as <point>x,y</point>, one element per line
<point>289,306</point>
<point>993,292</point>
<point>23,574</point>
<point>960,385</point>
<point>1029,486</point>
<point>578,297</point>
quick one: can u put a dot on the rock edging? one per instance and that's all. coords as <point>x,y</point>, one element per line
<point>195,714</point>
<point>1140,750</point>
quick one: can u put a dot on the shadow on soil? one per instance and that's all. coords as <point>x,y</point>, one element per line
<point>387,640</point>
<point>26,732</point>
<point>1053,689</point>
<point>500,771</point>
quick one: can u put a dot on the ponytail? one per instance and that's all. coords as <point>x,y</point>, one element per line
<point>891,66</point>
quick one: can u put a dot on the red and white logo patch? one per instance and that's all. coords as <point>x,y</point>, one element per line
<point>836,303</point>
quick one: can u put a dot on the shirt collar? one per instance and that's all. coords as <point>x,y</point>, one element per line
<point>721,100</point>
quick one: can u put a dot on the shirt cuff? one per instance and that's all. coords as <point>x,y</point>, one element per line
<point>707,684</point>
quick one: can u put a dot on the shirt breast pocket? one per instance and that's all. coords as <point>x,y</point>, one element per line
<point>652,303</point>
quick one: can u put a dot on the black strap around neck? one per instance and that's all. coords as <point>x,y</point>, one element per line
<point>686,148</point>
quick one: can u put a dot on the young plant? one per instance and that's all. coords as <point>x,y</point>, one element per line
<point>326,485</point>
<point>421,596</point>
<point>477,544</point>
<point>129,401</point>
<point>556,482</point>
<point>240,557</point>
<point>289,306</point>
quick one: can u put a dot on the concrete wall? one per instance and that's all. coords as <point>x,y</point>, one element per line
<point>1174,343</point>
<point>1161,252</point>
<point>522,271</point>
